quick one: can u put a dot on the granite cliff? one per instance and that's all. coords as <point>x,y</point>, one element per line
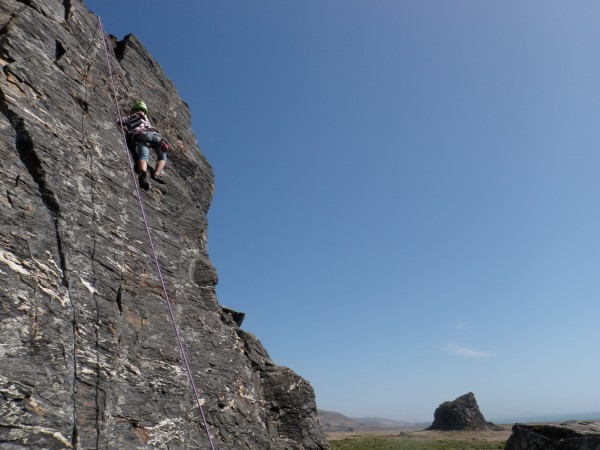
<point>88,355</point>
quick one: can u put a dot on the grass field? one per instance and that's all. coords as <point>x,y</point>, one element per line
<point>420,440</point>
<point>383,443</point>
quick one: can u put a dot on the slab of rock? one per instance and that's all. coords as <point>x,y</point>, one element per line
<point>88,356</point>
<point>571,435</point>
<point>461,414</point>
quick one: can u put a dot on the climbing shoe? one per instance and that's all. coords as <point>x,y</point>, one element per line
<point>144,180</point>
<point>158,179</point>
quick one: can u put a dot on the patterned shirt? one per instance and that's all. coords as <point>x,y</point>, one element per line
<point>136,123</point>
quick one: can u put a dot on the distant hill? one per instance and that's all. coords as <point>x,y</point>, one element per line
<point>335,421</point>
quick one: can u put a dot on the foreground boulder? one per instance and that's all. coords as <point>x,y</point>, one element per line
<point>461,414</point>
<point>572,435</point>
<point>88,356</point>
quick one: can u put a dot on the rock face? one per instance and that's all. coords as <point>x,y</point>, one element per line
<point>572,435</point>
<point>88,355</point>
<point>460,414</point>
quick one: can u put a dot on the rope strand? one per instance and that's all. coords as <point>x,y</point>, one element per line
<point>151,244</point>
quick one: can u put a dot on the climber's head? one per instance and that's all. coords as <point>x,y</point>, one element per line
<point>139,106</point>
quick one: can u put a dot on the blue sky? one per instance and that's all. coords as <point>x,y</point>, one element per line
<point>407,192</point>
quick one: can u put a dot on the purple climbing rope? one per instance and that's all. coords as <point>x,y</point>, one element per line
<point>151,243</point>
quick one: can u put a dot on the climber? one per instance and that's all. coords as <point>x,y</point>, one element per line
<point>144,135</point>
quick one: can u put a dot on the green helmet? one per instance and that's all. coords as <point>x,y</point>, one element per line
<point>140,105</point>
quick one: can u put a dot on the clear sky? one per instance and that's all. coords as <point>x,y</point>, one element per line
<point>407,192</point>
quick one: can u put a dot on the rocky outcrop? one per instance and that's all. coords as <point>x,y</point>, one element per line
<point>572,435</point>
<point>460,414</point>
<point>88,355</point>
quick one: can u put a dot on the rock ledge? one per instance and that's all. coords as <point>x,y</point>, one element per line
<point>571,435</point>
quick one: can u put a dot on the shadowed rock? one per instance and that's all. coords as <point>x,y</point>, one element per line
<point>88,356</point>
<point>461,414</point>
<point>571,435</point>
